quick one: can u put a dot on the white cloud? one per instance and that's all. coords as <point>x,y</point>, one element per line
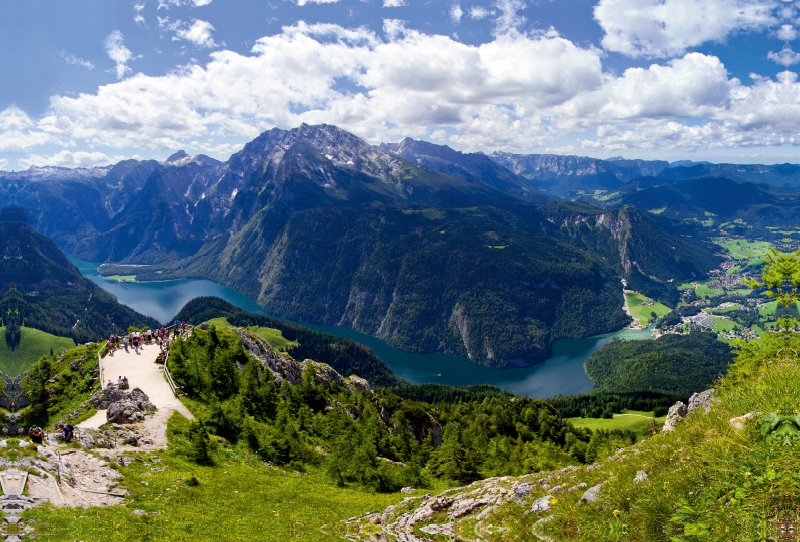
<point>456,13</point>
<point>118,52</point>
<point>304,2</point>
<point>66,158</point>
<point>394,3</point>
<point>664,28</point>
<point>18,132</point>
<point>199,33</point>
<point>509,20</point>
<point>517,92</point>
<point>138,13</point>
<point>787,32</point>
<point>786,57</point>
<point>75,60</point>
<point>4,164</point>
<point>478,13</point>
<point>165,4</point>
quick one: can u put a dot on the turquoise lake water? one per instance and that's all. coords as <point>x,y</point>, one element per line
<point>562,374</point>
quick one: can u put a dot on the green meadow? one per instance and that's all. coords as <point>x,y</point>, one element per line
<point>33,345</point>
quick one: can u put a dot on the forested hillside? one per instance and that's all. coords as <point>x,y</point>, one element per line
<point>40,288</point>
<point>672,364</point>
<point>352,431</point>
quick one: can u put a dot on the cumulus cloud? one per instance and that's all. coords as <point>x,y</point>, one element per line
<point>198,33</point>
<point>786,57</point>
<point>517,92</point>
<point>66,158</point>
<point>304,2</point>
<point>665,28</point>
<point>18,132</point>
<point>73,60</point>
<point>394,3</point>
<point>118,52</point>
<point>786,32</point>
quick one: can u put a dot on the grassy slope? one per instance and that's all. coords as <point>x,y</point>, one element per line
<point>239,498</point>
<point>271,335</point>
<point>33,345</point>
<point>706,481</point>
<point>642,312</point>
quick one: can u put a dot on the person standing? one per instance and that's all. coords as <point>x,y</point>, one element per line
<point>125,342</point>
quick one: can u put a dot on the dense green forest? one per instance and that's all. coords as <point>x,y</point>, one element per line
<point>670,365</point>
<point>380,441</point>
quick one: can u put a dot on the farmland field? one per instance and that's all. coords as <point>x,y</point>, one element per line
<point>641,307</point>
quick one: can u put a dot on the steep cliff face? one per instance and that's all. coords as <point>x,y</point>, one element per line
<point>466,282</point>
<point>650,258</point>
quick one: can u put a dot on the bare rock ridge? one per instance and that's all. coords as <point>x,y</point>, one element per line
<point>283,367</point>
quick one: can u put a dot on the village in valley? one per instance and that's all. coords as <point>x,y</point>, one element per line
<point>722,303</point>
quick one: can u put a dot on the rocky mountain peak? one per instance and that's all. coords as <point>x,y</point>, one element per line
<point>178,157</point>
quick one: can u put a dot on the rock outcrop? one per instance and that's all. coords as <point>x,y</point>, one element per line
<point>698,401</point>
<point>283,367</point>
<point>123,406</point>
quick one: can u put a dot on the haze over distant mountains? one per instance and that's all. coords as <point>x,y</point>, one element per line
<point>427,247</point>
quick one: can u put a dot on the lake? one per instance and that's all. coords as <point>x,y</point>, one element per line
<point>562,374</point>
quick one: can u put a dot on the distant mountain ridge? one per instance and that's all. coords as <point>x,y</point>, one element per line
<point>429,248</point>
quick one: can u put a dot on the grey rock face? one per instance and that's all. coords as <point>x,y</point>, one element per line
<point>542,504</point>
<point>123,406</point>
<point>592,494</point>
<point>703,400</point>
<point>676,414</point>
<point>523,490</point>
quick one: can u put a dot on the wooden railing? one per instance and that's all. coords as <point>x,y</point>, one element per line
<point>169,380</point>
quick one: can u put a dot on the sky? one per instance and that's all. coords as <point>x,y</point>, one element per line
<point>92,82</point>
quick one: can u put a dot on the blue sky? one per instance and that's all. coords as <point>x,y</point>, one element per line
<point>90,82</point>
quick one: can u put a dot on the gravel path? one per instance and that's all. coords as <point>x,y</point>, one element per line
<point>143,373</point>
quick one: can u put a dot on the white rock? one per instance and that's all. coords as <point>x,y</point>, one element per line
<point>542,504</point>
<point>640,477</point>
<point>592,494</point>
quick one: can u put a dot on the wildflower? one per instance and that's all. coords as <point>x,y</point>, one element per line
<point>553,501</point>
<point>617,513</point>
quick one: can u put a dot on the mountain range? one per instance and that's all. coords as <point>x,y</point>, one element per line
<point>429,248</point>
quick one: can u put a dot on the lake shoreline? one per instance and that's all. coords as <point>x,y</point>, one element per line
<point>564,373</point>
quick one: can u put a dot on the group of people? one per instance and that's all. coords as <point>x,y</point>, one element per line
<point>137,339</point>
<point>121,383</point>
<point>38,436</point>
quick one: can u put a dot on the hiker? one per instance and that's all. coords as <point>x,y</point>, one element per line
<point>36,434</point>
<point>136,343</point>
<point>125,342</point>
<point>69,432</point>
